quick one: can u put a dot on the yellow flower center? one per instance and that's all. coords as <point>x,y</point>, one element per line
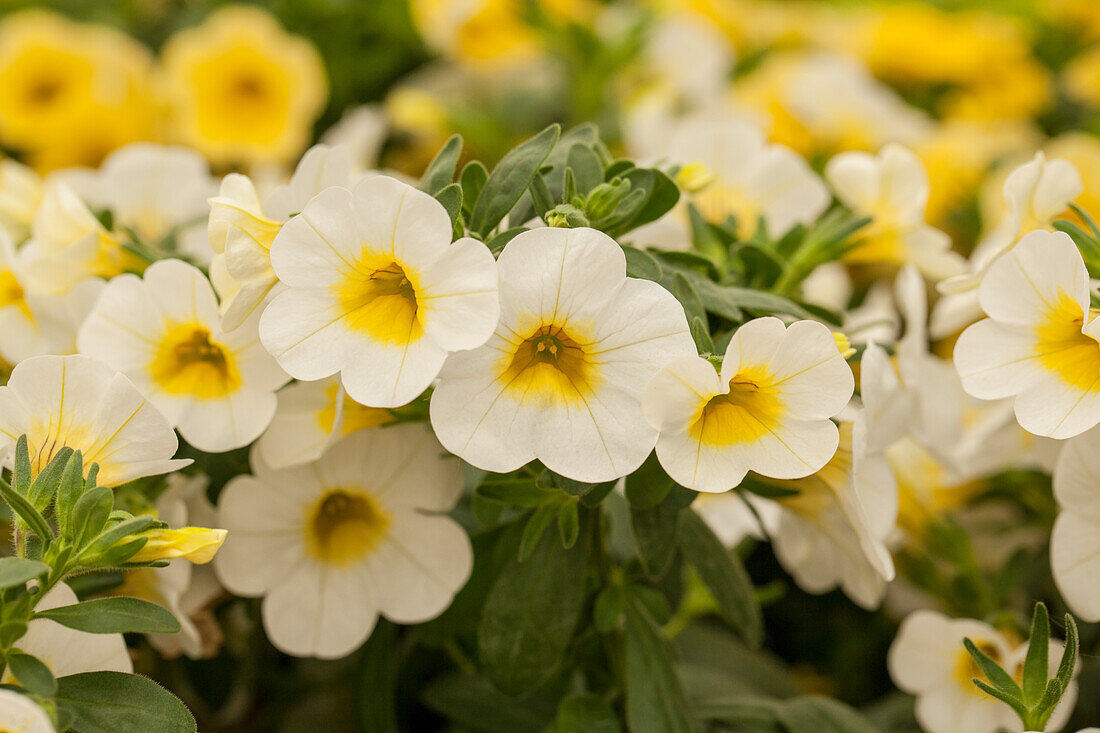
<point>11,292</point>
<point>750,409</point>
<point>379,300</point>
<point>344,526</point>
<point>354,416</point>
<point>717,201</point>
<point>1065,350</point>
<point>188,361</point>
<point>551,365</point>
<point>242,93</point>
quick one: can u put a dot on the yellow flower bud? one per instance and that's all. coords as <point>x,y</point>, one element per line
<point>197,544</point>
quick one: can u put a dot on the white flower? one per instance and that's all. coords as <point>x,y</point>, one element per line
<point>562,378</point>
<point>362,130</point>
<point>68,244</point>
<point>241,228</point>
<point>1039,343</point>
<point>749,178</point>
<point>20,196</point>
<point>163,332</point>
<point>928,660</point>
<point>20,714</point>
<point>311,416</point>
<point>82,403</point>
<point>376,291</point>
<point>892,188</point>
<point>1075,540</point>
<point>333,544</point>
<point>67,651</point>
<point>768,411</point>
<point>34,323</point>
<point>158,192</point>
<point>1034,194</point>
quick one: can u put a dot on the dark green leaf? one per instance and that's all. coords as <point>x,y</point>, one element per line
<point>648,485</point>
<point>1069,655</point>
<point>541,197</point>
<point>1008,699</point>
<point>32,674</point>
<point>113,701</point>
<point>641,264</point>
<point>70,489</point>
<point>655,699</point>
<point>115,615</point>
<point>378,680</point>
<point>569,526</point>
<point>689,298</point>
<point>26,511</point>
<point>441,170</point>
<point>510,179</point>
<point>21,475</point>
<point>662,196</point>
<point>90,515</point>
<point>531,613</point>
<point>475,705</point>
<point>586,714</point>
<point>657,530</point>
<point>451,198</point>
<point>497,242</point>
<point>18,570</point>
<point>44,487</point>
<point>472,180</point>
<point>1035,664</point>
<point>748,713</point>
<point>513,490</point>
<point>994,673</point>
<point>536,525</point>
<point>724,575</point>
<point>11,631</point>
<point>815,714</point>
<point>700,334</point>
<point>586,167</point>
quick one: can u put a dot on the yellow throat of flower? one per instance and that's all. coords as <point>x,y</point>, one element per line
<point>344,526</point>
<point>552,365</point>
<point>379,299</point>
<point>1064,349</point>
<point>750,409</point>
<point>189,362</point>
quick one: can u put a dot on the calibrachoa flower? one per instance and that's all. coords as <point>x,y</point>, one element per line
<point>82,403</point>
<point>158,192</point>
<point>928,659</point>
<point>241,228</point>
<point>18,713</point>
<point>376,291</point>
<point>562,378</point>
<point>892,188</point>
<point>767,410</point>
<point>242,89</point>
<point>333,544</point>
<point>310,417</point>
<point>1039,343</point>
<point>163,331</point>
<point>20,195</point>
<point>34,323</point>
<point>1075,540</point>
<point>67,651</point>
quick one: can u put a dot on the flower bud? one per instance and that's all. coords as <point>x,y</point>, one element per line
<point>196,544</point>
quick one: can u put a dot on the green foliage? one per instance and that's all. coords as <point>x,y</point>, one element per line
<point>113,701</point>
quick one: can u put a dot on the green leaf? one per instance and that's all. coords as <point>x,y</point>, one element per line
<point>26,511</point>
<point>18,570</point>
<point>69,491</point>
<point>655,699</point>
<point>514,491</point>
<point>441,170</point>
<point>700,334</point>
<point>657,530</point>
<point>662,196</point>
<point>531,613</point>
<point>31,673</point>
<point>541,198</point>
<point>115,615</point>
<point>451,198</point>
<point>689,298</point>
<point>378,680</point>
<point>1069,655</point>
<point>993,672</point>
<point>1035,664</point>
<point>569,524</point>
<point>499,241</point>
<point>11,631</point>
<point>748,713</point>
<point>724,576</point>
<point>1008,699</point>
<point>586,167</point>
<point>44,487</point>
<point>21,475</point>
<point>509,180</point>
<point>90,515</point>
<point>815,714</point>
<point>473,704</point>
<point>641,264</point>
<point>536,525</point>
<point>113,701</point>
<point>473,177</point>
<point>548,479</point>
<point>648,485</point>
<point>586,714</point>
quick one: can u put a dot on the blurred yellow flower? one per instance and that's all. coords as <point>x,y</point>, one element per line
<point>196,544</point>
<point>1082,76</point>
<point>1009,91</point>
<point>1083,150</point>
<point>490,33</point>
<point>241,89</point>
<point>71,93</point>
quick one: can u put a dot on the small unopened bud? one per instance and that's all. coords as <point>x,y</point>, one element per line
<point>196,544</point>
<point>605,198</point>
<point>566,216</point>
